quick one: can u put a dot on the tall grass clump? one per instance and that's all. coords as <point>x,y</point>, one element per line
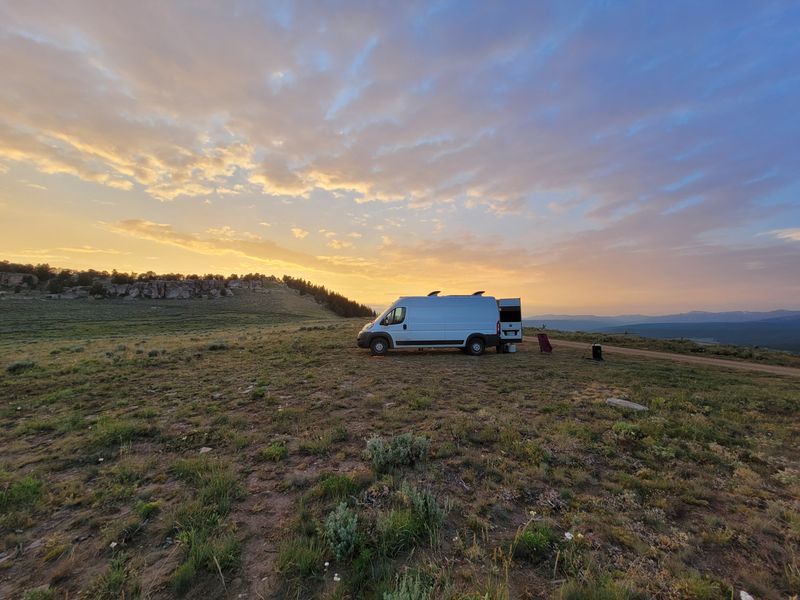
<point>411,586</point>
<point>20,494</point>
<point>209,545</point>
<point>425,506</point>
<point>400,450</point>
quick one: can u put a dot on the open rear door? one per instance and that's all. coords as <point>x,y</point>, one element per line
<point>510,320</point>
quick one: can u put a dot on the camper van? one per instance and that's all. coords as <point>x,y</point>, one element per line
<point>471,323</point>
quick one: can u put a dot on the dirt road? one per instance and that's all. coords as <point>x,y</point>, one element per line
<point>686,358</point>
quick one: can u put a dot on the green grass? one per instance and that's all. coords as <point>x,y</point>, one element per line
<point>439,457</point>
<point>275,452</point>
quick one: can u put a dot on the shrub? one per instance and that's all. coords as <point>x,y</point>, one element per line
<point>534,543</point>
<point>626,432</point>
<point>146,509</point>
<point>341,529</point>
<point>19,366</point>
<point>55,286</point>
<point>219,345</point>
<point>275,452</point>
<point>404,449</point>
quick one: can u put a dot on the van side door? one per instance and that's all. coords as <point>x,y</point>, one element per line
<point>395,324</point>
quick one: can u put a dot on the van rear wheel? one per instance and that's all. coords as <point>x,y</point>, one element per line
<point>475,346</point>
<point>378,346</point>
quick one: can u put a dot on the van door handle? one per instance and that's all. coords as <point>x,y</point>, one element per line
<point>405,326</point>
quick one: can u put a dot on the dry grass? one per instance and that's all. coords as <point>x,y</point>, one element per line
<point>103,489</point>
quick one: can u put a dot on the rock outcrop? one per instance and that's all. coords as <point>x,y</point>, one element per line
<point>24,280</point>
<point>157,289</point>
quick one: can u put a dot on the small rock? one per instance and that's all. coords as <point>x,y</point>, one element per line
<point>620,403</point>
<point>745,596</point>
<point>205,449</point>
<point>112,545</point>
<point>101,459</point>
<point>216,395</point>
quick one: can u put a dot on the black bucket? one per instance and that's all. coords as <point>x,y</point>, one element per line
<point>597,352</point>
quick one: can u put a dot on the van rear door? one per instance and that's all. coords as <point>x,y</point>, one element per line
<point>510,319</point>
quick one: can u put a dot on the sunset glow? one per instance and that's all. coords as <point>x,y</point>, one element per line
<point>590,157</point>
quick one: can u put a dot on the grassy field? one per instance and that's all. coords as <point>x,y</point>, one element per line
<point>245,448</point>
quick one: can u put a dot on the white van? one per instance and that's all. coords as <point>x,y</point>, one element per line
<point>468,322</point>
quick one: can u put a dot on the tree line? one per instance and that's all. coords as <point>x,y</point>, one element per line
<point>339,304</point>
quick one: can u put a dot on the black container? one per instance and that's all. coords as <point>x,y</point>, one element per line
<point>597,352</point>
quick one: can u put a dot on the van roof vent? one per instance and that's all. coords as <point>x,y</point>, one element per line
<point>436,293</point>
<point>479,293</point>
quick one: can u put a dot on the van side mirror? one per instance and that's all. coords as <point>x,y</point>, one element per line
<point>385,321</point>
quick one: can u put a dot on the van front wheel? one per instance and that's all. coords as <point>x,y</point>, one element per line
<point>378,346</point>
<point>475,346</point>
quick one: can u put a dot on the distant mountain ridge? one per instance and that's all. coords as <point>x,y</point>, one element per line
<point>778,329</point>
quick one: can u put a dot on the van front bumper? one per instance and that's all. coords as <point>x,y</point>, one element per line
<point>364,338</point>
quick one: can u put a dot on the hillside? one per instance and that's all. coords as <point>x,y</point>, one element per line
<point>779,330</point>
<point>36,281</point>
<point>779,334</point>
<point>224,455</point>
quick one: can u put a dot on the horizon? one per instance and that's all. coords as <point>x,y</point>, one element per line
<point>590,159</point>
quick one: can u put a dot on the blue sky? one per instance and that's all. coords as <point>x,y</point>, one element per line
<point>595,157</point>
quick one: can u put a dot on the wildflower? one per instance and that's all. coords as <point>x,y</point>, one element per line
<point>568,536</point>
<point>327,564</point>
<point>336,577</point>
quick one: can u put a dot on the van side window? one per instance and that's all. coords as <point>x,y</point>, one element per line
<point>397,316</point>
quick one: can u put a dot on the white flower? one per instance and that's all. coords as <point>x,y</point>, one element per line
<point>568,536</point>
<point>113,545</point>
<point>336,577</point>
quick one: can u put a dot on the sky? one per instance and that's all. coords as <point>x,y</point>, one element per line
<point>590,157</point>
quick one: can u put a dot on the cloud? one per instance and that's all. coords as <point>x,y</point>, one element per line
<point>228,233</point>
<point>339,244</point>
<point>299,233</point>
<point>266,252</point>
<point>91,250</point>
<point>538,101</point>
<point>787,234</point>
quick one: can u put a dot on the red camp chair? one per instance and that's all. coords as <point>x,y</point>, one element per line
<point>544,343</point>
